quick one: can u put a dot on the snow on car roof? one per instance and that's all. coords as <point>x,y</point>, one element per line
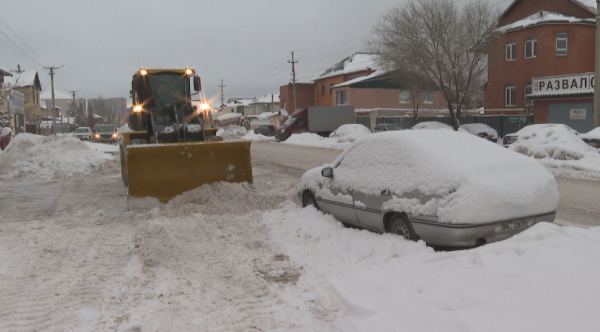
<point>431,125</point>
<point>348,129</point>
<point>592,134</point>
<point>478,181</point>
<point>476,128</point>
<point>556,141</point>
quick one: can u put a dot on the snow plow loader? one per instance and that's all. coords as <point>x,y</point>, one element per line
<point>169,150</point>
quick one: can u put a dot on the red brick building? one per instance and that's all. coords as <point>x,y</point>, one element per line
<point>305,96</point>
<point>544,41</point>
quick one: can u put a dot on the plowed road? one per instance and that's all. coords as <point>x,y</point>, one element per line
<point>578,203</point>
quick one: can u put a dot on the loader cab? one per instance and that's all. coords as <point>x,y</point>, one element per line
<point>165,98</point>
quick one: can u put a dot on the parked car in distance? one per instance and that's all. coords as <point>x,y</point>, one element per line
<point>592,138</point>
<point>481,130</point>
<point>83,133</point>
<point>105,133</point>
<point>431,125</point>
<point>448,188</point>
<point>267,130</point>
<point>386,127</point>
<point>509,139</point>
<point>350,132</point>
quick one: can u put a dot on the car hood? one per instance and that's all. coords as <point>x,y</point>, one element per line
<point>462,178</point>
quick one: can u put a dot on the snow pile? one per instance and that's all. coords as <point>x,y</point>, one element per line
<point>560,149</point>
<point>231,132</point>
<point>251,136</point>
<point>593,134</point>
<point>225,198</point>
<point>384,283</point>
<point>49,157</point>
<point>314,140</point>
<point>454,175</point>
<point>350,132</point>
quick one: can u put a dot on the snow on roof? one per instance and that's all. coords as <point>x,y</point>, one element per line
<point>545,17</point>
<point>588,4</point>
<point>228,116</point>
<point>270,98</point>
<point>240,102</point>
<point>356,62</point>
<point>25,78</point>
<point>360,79</point>
<point>57,95</point>
<point>284,112</point>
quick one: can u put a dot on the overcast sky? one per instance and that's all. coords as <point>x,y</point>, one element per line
<point>244,42</point>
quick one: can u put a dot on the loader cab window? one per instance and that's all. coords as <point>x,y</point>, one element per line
<point>168,88</point>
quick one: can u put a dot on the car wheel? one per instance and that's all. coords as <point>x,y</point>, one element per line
<point>309,200</point>
<point>400,225</point>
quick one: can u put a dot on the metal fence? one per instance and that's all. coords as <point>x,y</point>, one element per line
<point>504,124</point>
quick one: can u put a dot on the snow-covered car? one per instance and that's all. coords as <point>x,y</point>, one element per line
<point>386,127</point>
<point>558,142</point>
<point>448,188</point>
<point>592,138</point>
<point>481,130</point>
<point>531,130</point>
<point>350,132</point>
<point>431,125</point>
<point>83,133</point>
<point>266,130</point>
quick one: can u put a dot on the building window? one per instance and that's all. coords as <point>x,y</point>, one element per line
<point>428,97</point>
<point>240,109</point>
<point>528,91</point>
<point>340,97</point>
<point>404,97</point>
<point>561,43</point>
<point>511,51</point>
<point>530,48</point>
<point>331,88</point>
<point>510,93</point>
<point>283,105</point>
<point>323,90</point>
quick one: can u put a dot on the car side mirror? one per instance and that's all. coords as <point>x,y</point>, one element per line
<point>197,85</point>
<point>327,172</point>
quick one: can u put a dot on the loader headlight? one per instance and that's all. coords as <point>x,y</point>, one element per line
<point>189,71</point>
<point>143,72</point>
<point>137,108</point>
<point>97,135</point>
<point>204,106</point>
<point>115,135</point>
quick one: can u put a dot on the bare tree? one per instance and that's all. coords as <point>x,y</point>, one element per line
<point>439,41</point>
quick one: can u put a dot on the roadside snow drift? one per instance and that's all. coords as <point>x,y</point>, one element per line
<point>560,149</point>
<point>469,179</point>
<point>49,157</point>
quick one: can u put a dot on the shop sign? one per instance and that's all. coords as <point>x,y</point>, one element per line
<point>17,102</point>
<point>577,114</point>
<point>579,83</point>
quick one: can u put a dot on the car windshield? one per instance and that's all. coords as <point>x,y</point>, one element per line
<point>290,121</point>
<point>393,127</point>
<point>81,130</point>
<point>104,128</point>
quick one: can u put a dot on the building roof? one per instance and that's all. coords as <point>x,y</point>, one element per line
<point>57,95</point>
<point>5,72</point>
<point>542,17</point>
<point>354,63</point>
<point>270,98</point>
<point>589,5</point>
<point>25,78</point>
<point>383,80</point>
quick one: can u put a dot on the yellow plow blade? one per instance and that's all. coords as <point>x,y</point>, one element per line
<point>166,170</point>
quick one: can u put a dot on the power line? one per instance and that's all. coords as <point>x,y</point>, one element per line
<point>21,39</point>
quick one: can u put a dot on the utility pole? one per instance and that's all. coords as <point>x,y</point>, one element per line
<point>53,102</point>
<point>74,107</point>
<point>18,71</point>
<point>222,95</point>
<point>293,79</point>
<point>596,116</point>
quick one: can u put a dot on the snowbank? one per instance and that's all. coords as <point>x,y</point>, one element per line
<point>560,149</point>
<point>593,134</point>
<point>540,280</point>
<point>231,132</point>
<point>49,157</point>
<point>314,140</point>
<point>464,178</point>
